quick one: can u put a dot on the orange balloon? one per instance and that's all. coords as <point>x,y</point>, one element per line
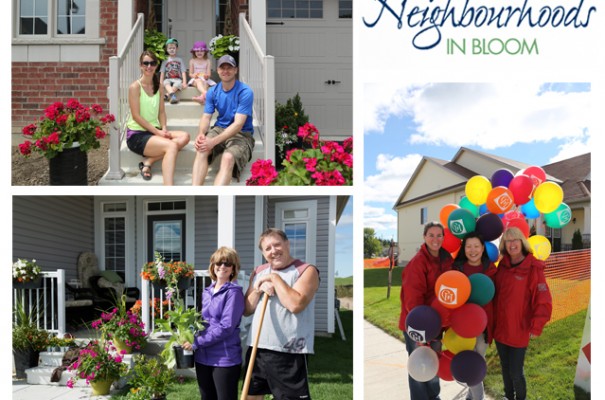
<point>452,289</point>
<point>499,200</point>
<point>446,211</point>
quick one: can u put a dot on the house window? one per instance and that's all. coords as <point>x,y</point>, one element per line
<point>166,229</point>
<point>71,17</point>
<point>114,229</point>
<point>33,17</point>
<point>345,8</point>
<point>303,9</point>
<point>298,219</point>
<point>424,215</point>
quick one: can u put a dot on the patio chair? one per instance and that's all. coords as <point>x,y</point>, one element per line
<point>107,285</point>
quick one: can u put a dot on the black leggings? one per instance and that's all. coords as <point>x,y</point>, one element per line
<point>218,383</point>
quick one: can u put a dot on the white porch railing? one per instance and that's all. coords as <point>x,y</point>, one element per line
<point>258,71</point>
<point>123,70</point>
<point>45,305</point>
<point>191,295</point>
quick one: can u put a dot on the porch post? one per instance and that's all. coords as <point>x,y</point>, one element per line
<point>257,12</point>
<point>61,302</point>
<point>226,221</point>
<point>145,305</point>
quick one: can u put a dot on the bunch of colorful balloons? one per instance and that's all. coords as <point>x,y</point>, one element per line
<point>490,206</point>
<point>457,309</point>
<point>507,200</point>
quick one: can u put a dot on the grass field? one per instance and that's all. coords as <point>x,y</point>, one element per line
<point>550,363</point>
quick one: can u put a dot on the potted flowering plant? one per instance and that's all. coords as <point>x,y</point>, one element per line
<point>26,274</point>
<point>63,135</point>
<point>149,379</point>
<point>124,328</point>
<point>221,45</point>
<point>28,340</point>
<point>99,365</point>
<point>158,307</point>
<point>173,275</point>
<point>323,164</point>
<point>289,118</point>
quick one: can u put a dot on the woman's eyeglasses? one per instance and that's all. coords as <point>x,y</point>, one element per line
<point>149,63</point>
<point>225,263</point>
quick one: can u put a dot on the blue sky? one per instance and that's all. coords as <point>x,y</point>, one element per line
<point>344,242</point>
<point>535,123</point>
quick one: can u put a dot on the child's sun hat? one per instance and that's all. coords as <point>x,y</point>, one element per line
<point>199,46</point>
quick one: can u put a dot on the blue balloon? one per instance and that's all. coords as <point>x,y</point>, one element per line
<point>483,209</point>
<point>529,210</point>
<point>502,177</point>
<point>492,251</point>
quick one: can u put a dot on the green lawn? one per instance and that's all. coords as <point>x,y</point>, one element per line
<point>550,363</point>
<point>330,368</point>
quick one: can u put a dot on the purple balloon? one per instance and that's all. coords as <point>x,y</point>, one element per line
<point>468,367</point>
<point>489,226</point>
<point>502,177</point>
<point>423,323</point>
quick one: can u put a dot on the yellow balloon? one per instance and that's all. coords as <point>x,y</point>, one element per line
<point>547,197</point>
<point>541,246</point>
<point>477,188</point>
<point>455,343</point>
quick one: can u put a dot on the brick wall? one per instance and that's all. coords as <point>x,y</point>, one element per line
<point>61,81</point>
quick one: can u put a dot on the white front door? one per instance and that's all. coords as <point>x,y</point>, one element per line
<point>188,22</point>
<point>313,57</point>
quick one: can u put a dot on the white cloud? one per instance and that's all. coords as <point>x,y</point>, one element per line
<point>380,219</point>
<point>483,114</point>
<point>573,148</point>
<point>392,176</point>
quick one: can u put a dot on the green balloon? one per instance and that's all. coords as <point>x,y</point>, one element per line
<point>467,205</point>
<point>460,222</point>
<point>482,289</point>
<point>558,218</point>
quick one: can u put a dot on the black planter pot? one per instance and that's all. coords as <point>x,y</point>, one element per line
<point>24,359</point>
<point>183,284</point>
<point>184,359</point>
<point>34,284</point>
<point>70,167</point>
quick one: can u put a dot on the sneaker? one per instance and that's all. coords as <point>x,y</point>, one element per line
<point>165,97</point>
<point>173,99</point>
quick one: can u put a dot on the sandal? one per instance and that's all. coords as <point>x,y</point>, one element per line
<point>146,175</point>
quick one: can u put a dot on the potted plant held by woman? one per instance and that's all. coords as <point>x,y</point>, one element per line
<point>64,135</point>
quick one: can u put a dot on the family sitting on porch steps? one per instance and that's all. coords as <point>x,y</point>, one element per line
<point>231,136</point>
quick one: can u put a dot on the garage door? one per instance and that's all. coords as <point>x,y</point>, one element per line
<point>313,57</point>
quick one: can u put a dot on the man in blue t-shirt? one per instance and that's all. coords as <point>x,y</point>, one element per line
<point>232,135</point>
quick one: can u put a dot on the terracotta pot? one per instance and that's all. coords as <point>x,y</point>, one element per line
<point>100,387</point>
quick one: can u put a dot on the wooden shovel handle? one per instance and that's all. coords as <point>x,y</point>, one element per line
<point>246,386</point>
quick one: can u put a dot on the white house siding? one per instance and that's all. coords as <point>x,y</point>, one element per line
<point>430,178</point>
<point>245,238</point>
<point>53,230</point>
<point>206,230</point>
<point>322,236</point>
<point>410,227</point>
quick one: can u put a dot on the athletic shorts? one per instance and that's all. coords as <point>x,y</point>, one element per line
<point>174,82</point>
<point>137,140</point>
<point>240,146</point>
<point>284,375</point>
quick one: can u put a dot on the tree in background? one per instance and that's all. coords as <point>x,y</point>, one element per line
<point>576,240</point>
<point>372,246</point>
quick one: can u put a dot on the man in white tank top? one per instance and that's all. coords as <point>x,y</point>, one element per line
<point>287,333</point>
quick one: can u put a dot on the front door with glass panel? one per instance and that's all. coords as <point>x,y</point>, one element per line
<point>188,22</point>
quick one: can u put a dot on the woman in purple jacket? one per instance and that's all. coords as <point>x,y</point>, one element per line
<point>217,348</point>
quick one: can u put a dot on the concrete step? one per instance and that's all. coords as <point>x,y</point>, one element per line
<point>183,116</point>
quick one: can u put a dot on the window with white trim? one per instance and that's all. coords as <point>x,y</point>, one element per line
<point>424,212</point>
<point>345,8</point>
<point>114,237</point>
<point>298,219</point>
<point>302,9</point>
<point>49,18</point>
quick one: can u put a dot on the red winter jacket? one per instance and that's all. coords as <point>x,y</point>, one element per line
<point>491,270</point>
<point>418,280</point>
<point>522,304</point>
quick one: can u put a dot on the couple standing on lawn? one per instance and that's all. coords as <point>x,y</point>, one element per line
<point>521,306</point>
<point>287,334</point>
<point>231,136</point>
